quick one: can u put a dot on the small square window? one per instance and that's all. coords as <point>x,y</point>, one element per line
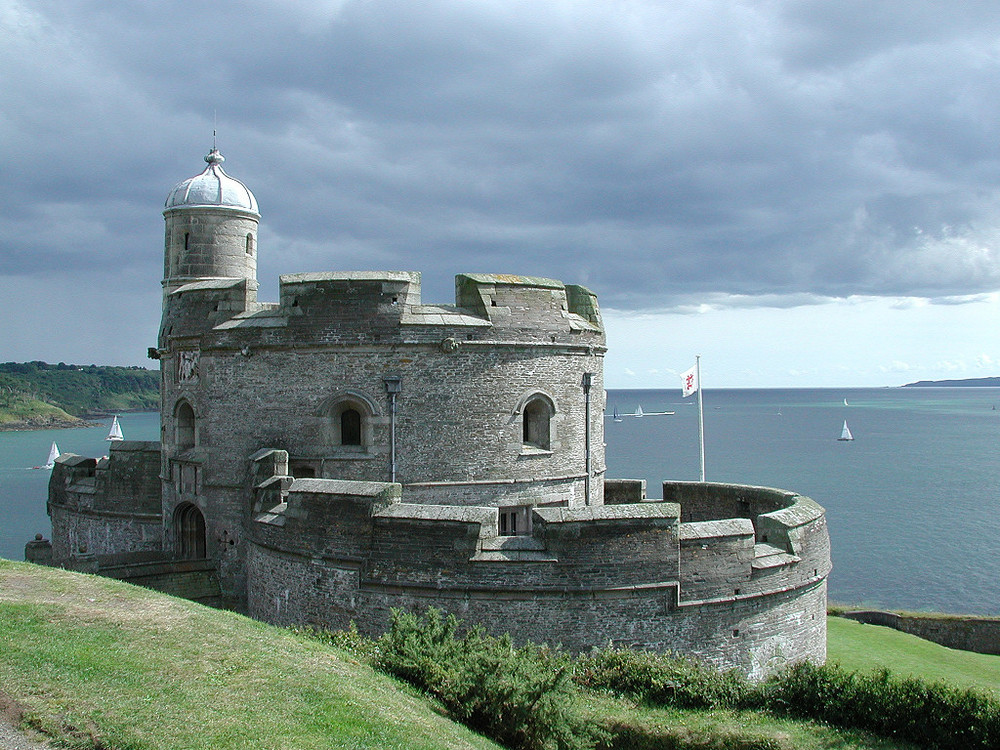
<point>514,521</point>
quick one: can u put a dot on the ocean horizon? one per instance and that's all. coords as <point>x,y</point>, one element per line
<point>911,502</point>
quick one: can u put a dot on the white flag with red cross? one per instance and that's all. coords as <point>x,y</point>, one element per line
<point>689,381</point>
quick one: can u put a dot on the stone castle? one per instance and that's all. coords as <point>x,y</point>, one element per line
<point>350,449</point>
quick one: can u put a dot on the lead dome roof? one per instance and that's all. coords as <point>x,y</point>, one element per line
<point>213,188</point>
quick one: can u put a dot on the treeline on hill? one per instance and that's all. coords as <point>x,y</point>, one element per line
<point>78,390</point>
<point>526,697</point>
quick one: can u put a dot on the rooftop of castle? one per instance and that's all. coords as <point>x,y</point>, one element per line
<point>212,188</point>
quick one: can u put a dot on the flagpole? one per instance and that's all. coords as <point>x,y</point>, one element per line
<point>701,416</point>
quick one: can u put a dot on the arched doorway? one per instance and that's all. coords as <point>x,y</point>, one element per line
<point>190,525</point>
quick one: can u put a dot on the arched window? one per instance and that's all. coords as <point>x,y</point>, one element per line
<point>190,525</point>
<point>350,427</point>
<point>186,429</point>
<point>536,417</point>
<point>347,420</point>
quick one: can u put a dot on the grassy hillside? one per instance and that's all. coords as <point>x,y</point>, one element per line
<point>864,647</point>
<point>36,394</point>
<point>19,411</point>
<point>101,664</point>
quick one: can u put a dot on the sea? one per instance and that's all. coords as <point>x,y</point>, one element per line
<point>913,502</point>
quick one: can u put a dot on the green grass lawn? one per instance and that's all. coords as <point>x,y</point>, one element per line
<point>640,727</point>
<point>96,661</point>
<point>864,647</point>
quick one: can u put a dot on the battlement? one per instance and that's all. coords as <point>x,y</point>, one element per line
<point>106,504</point>
<point>380,305</point>
<point>600,547</point>
<point>527,300</point>
<point>343,294</point>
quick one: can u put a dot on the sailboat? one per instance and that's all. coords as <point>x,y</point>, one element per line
<point>845,434</point>
<point>640,413</point>
<point>845,402</point>
<point>51,460</point>
<point>618,416</point>
<point>115,433</point>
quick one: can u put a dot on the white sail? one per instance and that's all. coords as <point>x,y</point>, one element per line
<point>53,455</point>
<point>115,433</point>
<point>638,411</point>
<point>845,434</point>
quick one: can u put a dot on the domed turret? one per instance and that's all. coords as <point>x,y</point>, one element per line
<point>213,187</point>
<point>211,229</point>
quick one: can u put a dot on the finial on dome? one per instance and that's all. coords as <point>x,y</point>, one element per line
<point>214,157</point>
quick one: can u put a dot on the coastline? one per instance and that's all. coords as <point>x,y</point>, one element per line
<point>45,423</point>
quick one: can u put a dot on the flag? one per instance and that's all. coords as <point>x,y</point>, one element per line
<point>689,381</point>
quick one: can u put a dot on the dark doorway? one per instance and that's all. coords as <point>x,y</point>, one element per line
<point>190,532</point>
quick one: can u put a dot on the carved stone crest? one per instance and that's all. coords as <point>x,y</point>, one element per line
<point>187,366</point>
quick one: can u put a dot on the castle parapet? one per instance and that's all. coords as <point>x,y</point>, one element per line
<point>528,301</point>
<point>350,296</point>
<point>106,505</point>
<point>709,501</point>
<point>328,516</point>
<point>197,306</point>
<point>755,541</point>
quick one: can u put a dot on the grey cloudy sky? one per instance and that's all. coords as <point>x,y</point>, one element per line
<point>804,192</point>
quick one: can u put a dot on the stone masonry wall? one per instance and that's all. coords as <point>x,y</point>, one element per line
<point>756,635</point>
<point>106,506</point>
<point>628,574</point>
<point>272,376</point>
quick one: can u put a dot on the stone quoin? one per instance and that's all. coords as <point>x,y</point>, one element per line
<point>349,450</point>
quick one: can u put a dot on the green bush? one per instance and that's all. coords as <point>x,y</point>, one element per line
<point>521,696</point>
<point>929,714</point>
<point>663,679</point>
<point>517,696</point>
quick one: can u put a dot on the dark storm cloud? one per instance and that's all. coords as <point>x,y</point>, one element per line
<point>653,151</point>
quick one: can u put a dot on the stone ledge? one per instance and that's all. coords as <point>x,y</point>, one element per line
<point>713,529</point>
<point>626,512</point>
<point>513,555</point>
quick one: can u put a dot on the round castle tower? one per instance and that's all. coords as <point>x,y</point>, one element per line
<point>495,401</point>
<point>211,228</point>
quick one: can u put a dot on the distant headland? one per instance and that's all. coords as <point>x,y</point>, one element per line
<point>40,396</point>
<point>967,383</point>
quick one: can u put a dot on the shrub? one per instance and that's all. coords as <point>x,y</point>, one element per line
<point>517,696</point>
<point>663,679</point>
<point>930,714</point>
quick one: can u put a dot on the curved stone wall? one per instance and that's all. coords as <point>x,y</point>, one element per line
<point>328,552</point>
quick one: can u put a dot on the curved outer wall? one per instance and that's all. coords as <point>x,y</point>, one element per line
<point>632,574</point>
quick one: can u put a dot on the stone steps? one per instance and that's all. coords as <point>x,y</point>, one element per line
<point>767,556</point>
